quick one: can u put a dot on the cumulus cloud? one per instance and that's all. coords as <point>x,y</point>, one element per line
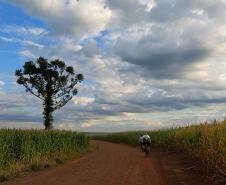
<point>69,17</point>
<point>161,50</point>
<point>147,64</point>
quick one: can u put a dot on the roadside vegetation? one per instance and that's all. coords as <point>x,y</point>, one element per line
<point>206,142</point>
<point>32,150</point>
<point>54,83</point>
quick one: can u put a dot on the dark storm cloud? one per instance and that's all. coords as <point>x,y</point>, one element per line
<point>162,59</point>
<point>168,64</point>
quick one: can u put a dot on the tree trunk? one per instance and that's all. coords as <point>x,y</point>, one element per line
<point>48,109</point>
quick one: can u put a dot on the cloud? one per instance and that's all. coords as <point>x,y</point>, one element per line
<point>20,125</point>
<point>27,54</point>
<point>6,39</point>
<point>19,107</point>
<point>32,44</point>
<point>2,83</point>
<point>115,89</point>
<point>20,118</point>
<point>159,51</point>
<point>147,64</point>
<point>83,101</point>
<point>75,18</point>
<point>24,31</point>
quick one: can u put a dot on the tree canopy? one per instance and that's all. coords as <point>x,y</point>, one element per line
<point>53,82</point>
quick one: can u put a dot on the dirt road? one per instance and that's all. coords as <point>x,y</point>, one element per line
<point>115,164</point>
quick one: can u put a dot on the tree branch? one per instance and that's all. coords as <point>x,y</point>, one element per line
<point>33,92</point>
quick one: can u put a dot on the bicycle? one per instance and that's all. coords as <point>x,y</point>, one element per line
<point>146,149</point>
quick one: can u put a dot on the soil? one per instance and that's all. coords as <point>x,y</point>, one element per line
<point>116,164</point>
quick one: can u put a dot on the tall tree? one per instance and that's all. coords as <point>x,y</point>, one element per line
<point>53,82</point>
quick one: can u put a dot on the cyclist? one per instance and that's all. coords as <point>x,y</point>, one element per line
<point>145,142</point>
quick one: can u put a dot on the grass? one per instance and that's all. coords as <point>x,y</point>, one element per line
<point>32,150</point>
<point>206,142</point>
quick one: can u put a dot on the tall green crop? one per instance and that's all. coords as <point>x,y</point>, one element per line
<point>23,146</point>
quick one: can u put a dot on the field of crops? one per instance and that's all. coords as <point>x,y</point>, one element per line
<point>206,142</point>
<point>22,150</point>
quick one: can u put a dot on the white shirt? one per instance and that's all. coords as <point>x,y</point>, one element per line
<point>144,137</point>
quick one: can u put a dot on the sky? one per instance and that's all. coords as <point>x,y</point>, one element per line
<point>148,64</point>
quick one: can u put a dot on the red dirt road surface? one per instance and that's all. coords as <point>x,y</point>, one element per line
<point>115,164</point>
